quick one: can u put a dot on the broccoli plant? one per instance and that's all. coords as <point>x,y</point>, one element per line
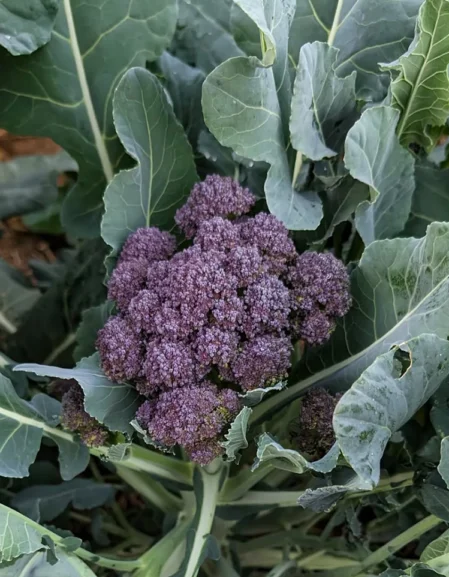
<point>242,366</point>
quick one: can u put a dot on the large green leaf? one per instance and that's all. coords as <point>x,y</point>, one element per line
<point>25,26</point>
<point>149,194</point>
<point>430,200</point>
<point>65,89</point>
<point>384,398</point>
<point>400,290</point>
<point>21,431</point>
<point>246,105</point>
<point>323,105</point>
<point>43,503</point>
<point>204,37</point>
<point>366,32</point>
<point>114,404</point>
<point>374,156</point>
<point>436,554</point>
<point>28,183</point>
<point>421,89</point>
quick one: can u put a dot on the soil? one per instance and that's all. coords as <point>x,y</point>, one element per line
<point>17,245</point>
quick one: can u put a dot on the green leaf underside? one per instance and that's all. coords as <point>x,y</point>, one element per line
<point>443,467</point>
<point>21,431</point>
<point>400,290</point>
<point>430,199</point>
<point>26,25</point>
<point>322,103</point>
<point>384,36</point>
<point>421,90</point>
<point>436,551</point>
<point>246,107</point>
<point>382,400</point>
<point>149,194</point>
<point>44,503</point>
<point>36,565</point>
<point>374,156</point>
<point>113,404</point>
<point>58,91</point>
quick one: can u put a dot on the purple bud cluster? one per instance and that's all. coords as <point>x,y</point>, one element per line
<point>196,326</point>
<point>75,418</point>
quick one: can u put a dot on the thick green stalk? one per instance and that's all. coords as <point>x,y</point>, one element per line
<point>150,489</point>
<point>237,486</point>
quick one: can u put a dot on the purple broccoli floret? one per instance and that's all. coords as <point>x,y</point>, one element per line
<point>194,417</point>
<point>75,418</point>
<point>215,196</point>
<point>121,350</point>
<point>263,362</point>
<point>150,244</point>
<point>315,434</point>
<point>320,294</point>
<point>267,307</point>
<point>127,280</point>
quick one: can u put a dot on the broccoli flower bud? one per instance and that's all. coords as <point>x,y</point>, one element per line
<point>320,294</point>
<point>75,418</point>
<point>215,196</point>
<point>315,434</point>
<point>127,280</point>
<point>194,417</point>
<point>262,362</point>
<point>150,244</point>
<point>121,350</point>
<point>267,306</point>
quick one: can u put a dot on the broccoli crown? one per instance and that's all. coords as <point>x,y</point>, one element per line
<point>315,435</point>
<point>76,419</point>
<point>222,310</point>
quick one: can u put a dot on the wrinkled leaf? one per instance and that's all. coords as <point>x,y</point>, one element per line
<point>113,404</point>
<point>64,90</point>
<point>383,399</point>
<point>443,467</point>
<point>246,106</point>
<point>236,436</point>
<point>421,89</point>
<point>374,156</point>
<point>323,105</point>
<point>26,26</point>
<point>36,565</point>
<point>149,194</point>
<point>253,397</point>
<point>289,460</point>
<point>43,503</point>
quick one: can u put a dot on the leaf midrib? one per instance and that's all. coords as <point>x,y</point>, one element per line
<point>85,90</point>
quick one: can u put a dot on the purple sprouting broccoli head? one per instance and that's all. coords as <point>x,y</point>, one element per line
<point>315,434</point>
<point>223,310</point>
<point>320,294</point>
<point>195,417</point>
<point>215,196</point>
<point>75,418</point>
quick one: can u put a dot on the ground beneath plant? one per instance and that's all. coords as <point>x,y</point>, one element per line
<point>18,245</point>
